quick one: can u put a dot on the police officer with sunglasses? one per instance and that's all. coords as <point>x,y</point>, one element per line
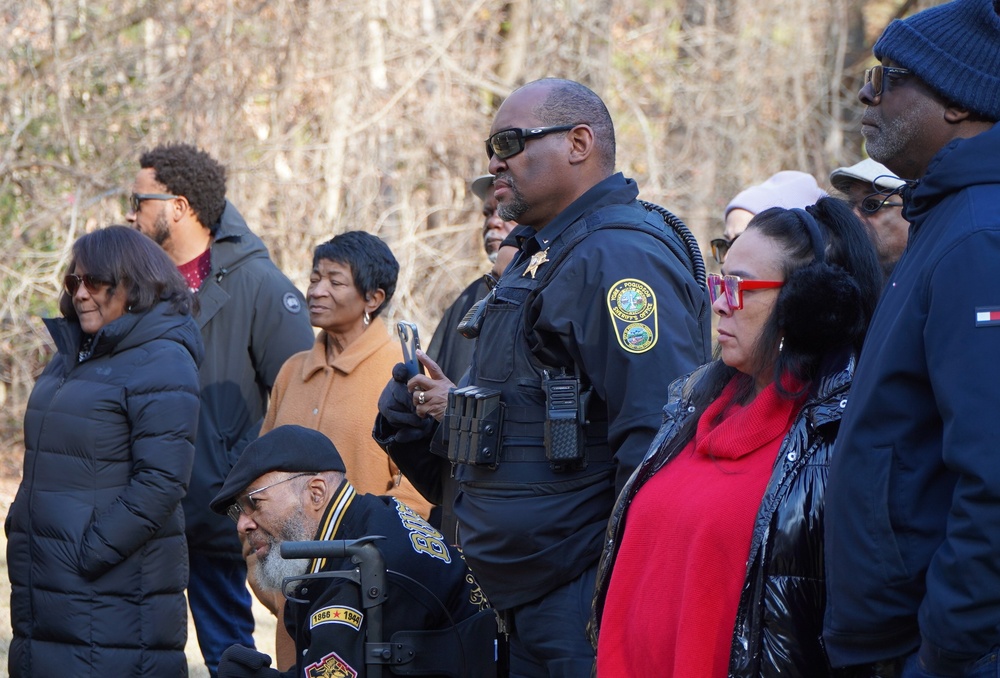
<point>579,340</point>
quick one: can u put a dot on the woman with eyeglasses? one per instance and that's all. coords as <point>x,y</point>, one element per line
<point>96,551</point>
<point>787,189</point>
<point>713,564</point>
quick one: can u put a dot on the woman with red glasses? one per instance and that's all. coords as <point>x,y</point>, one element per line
<point>96,551</point>
<point>714,562</point>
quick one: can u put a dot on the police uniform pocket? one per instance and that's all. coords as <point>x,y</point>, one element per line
<point>495,346</point>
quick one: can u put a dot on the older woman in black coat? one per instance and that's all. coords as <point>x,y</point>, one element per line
<point>96,552</point>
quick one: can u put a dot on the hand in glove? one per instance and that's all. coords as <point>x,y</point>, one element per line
<point>242,662</point>
<point>398,411</point>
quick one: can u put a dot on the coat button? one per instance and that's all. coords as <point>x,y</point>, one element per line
<point>691,409</point>
<point>792,456</point>
<point>843,403</point>
<point>316,410</point>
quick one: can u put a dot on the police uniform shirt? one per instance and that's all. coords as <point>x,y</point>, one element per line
<point>626,316</point>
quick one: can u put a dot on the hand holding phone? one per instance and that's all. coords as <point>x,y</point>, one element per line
<point>409,339</point>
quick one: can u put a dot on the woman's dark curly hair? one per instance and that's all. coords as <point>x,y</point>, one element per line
<point>194,174</point>
<point>372,263</point>
<point>125,257</point>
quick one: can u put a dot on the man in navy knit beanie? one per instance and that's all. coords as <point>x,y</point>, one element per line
<point>913,502</point>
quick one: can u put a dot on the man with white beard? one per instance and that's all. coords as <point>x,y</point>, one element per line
<point>289,485</point>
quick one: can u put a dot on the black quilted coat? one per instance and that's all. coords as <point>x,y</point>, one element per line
<point>780,616</point>
<point>96,551</point>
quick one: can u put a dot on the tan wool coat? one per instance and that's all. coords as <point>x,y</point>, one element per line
<point>340,399</point>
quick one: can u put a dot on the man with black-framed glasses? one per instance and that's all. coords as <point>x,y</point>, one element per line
<point>913,500</point>
<point>252,320</point>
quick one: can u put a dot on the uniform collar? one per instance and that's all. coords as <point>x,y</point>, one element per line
<point>615,189</point>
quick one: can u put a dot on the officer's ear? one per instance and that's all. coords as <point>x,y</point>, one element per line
<point>581,140</point>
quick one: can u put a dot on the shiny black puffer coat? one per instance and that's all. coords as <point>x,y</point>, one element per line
<point>780,616</point>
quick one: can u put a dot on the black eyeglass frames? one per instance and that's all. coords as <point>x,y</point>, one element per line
<point>509,142</point>
<point>876,76</point>
<point>135,200</point>
<point>720,248</point>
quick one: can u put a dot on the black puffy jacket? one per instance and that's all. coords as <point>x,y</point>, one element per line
<point>96,552</point>
<point>780,616</point>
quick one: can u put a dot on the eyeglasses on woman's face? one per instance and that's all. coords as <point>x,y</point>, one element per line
<point>720,248</point>
<point>733,286</point>
<point>94,284</point>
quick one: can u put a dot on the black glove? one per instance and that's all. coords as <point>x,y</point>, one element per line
<point>242,662</point>
<point>396,407</point>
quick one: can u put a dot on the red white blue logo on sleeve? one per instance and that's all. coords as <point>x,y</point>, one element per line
<point>987,316</point>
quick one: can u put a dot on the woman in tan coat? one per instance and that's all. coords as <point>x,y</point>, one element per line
<point>334,387</point>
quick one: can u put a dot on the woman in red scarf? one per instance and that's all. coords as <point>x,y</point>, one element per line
<point>715,558</point>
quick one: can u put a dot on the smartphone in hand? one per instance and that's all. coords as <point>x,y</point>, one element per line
<point>409,339</point>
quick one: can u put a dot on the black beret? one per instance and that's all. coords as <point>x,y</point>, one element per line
<point>286,448</point>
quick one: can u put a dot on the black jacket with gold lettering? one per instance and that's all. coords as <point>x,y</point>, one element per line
<point>429,587</point>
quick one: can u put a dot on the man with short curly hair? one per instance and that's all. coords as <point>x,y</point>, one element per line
<point>251,321</point>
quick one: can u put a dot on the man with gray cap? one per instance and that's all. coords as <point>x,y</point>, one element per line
<point>449,349</point>
<point>873,191</point>
<point>289,485</point>
<point>913,501</point>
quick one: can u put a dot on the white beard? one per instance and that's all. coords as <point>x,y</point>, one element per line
<point>272,569</point>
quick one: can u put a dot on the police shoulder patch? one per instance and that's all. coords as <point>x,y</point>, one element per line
<point>291,302</point>
<point>632,305</point>
<point>330,666</point>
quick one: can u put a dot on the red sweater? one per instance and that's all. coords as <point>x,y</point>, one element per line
<point>672,600</point>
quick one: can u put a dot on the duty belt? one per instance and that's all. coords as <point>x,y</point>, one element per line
<point>483,431</point>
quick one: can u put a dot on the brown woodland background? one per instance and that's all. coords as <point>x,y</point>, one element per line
<point>370,114</point>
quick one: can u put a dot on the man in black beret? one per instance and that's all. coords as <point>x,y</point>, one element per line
<point>289,485</point>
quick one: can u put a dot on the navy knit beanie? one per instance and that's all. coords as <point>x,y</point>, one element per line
<point>954,48</point>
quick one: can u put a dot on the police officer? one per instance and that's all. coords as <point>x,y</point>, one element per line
<point>580,338</point>
<point>289,485</point>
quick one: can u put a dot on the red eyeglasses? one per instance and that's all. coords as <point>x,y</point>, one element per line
<point>733,287</point>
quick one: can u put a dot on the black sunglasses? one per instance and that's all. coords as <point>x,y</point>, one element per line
<point>72,282</point>
<point>876,201</point>
<point>135,200</point>
<point>509,142</point>
<point>720,248</point>
<point>876,76</point>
